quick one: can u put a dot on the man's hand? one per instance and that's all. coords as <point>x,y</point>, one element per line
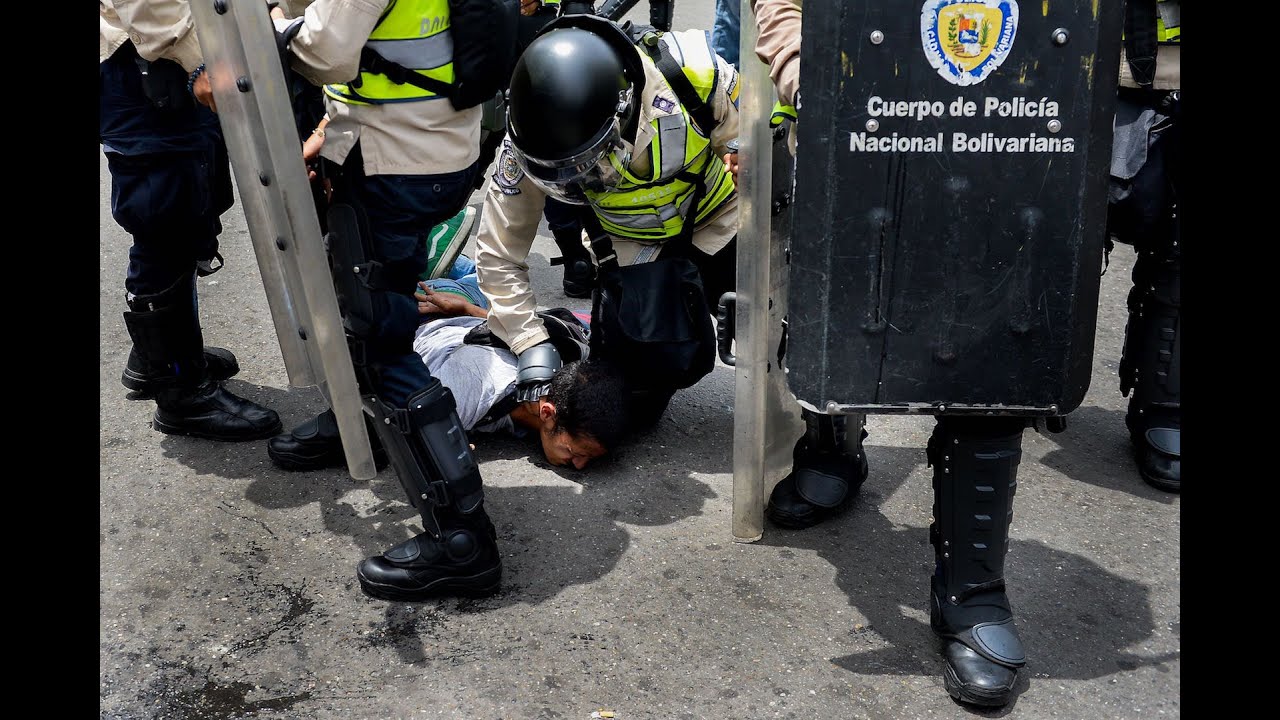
<point>204,91</point>
<point>731,162</point>
<point>311,149</point>
<point>529,7</point>
<point>431,302</point>
<point>731,159</point>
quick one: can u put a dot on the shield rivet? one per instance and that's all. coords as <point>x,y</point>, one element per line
<point>1060,37</point>
<point>1055,126</point>
<point>877,37</point>
<point>873,125</point>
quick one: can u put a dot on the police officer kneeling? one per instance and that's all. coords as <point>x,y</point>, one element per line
<point>630,126</point>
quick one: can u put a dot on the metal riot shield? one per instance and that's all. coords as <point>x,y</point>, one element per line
<point>243,64</point>
<point>766,418</point>
<point>951,200</point>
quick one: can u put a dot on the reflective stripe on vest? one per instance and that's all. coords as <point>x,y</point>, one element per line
<point>415,34</point>
<point>655,207</point>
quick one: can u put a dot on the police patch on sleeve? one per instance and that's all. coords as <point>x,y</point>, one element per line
<point>663,104</point>
<point>508,174</point>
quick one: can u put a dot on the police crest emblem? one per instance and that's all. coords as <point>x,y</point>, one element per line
<point>508,174</point>
<point>966,40</point>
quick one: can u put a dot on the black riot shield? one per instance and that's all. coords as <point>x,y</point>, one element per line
<point>950,204</point>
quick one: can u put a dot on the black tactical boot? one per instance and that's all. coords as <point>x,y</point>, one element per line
<point>207,410</point>
<point>166,334</point>
<point>458,553</point>
<point>462,560</point>
<point>829,468</point>
<point>138,377</point>
<point>317,445</point>
<point>1150,367</point>
<point>975,470</point>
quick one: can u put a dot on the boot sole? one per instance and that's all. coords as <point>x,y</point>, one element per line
<point>1160,483</point>
<point>475,586</point>
<point>304,463</point>
<point>959,692</point>
<point>796,522</point>
<point>171,429</point>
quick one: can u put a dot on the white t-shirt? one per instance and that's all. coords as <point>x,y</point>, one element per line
<point>478,375</point>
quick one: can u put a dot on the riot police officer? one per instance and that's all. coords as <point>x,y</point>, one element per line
<point>975,462</point>
<point>170,183</point>
<point>1145,173</point>
<point>595,121</point>
<point>401,157</point>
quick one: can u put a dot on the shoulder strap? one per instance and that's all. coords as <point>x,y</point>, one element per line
<point>698,109</point>
<point>372,62</point>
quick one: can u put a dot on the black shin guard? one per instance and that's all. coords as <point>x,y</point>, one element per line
<point>975,470</point>
<point>428,448</point>
<point>1150,365</point>
<point>165,329</point>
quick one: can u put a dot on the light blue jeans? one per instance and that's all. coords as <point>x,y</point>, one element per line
<point>462,280</point>
<point>727,29</point>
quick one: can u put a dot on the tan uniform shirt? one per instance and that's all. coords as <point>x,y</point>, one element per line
<point>428,137</point>
<point>513,209</point>
<point>158,29</point>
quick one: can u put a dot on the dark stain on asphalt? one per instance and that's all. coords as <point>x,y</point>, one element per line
<point>215,701</point>
<point>297,605</point>
<point>174,696</point>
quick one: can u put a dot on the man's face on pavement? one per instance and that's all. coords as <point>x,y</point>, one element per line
<point>564,449</point>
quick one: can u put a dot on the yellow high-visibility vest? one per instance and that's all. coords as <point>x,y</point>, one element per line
<point>415,34</point>
<point>656,207</point>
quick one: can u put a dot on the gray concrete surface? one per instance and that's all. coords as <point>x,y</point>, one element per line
<point>228,589</point>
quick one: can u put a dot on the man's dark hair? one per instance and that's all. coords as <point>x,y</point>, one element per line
<point>591,400</point>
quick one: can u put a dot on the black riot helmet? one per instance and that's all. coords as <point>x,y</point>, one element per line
<point>572,97</point>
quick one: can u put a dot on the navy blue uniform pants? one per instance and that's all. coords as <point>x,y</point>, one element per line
<point>170,177</point>
<point>401,211</point>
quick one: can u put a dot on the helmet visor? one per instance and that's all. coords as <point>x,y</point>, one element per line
<point>590,170</point>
